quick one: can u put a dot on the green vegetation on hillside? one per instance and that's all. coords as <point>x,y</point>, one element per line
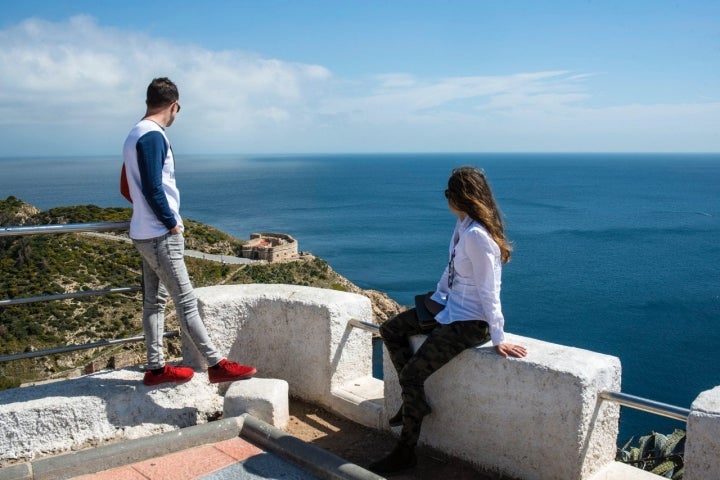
<point>59,263</point>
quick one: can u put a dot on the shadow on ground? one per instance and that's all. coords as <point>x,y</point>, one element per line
<point>362,445</point>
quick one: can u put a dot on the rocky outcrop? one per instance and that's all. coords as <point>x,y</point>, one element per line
<point>383,307</point>
<point>15,212</point>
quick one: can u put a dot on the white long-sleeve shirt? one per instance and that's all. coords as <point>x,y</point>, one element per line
<point>475,290</point>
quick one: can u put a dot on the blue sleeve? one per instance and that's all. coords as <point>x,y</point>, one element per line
<point>151,152</point>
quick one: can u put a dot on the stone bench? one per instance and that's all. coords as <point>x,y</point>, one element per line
<point>112,405</point>
<point>536,417</point>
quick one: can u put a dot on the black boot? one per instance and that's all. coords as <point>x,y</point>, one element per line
<point>397,419</point>
<point>400,459</point>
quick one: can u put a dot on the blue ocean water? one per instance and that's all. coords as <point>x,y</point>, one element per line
<point>613,253</point>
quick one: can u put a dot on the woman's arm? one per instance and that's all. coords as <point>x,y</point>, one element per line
<point>486,264</point>
<point>486,270</point>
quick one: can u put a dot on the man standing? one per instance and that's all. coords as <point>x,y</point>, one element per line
<point>156,230</point>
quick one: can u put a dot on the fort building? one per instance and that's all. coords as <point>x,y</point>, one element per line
<point>272,247</point>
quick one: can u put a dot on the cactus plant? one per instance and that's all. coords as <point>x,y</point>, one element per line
<point>657,453</point>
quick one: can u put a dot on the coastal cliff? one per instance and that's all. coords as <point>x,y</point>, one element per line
<point>61,263</point>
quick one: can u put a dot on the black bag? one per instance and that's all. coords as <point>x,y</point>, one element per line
<point>426,309</point>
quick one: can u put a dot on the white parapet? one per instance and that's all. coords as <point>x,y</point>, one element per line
<point>702,450</point>
<point>534,418</point>
<point>294,333</point>
<point>112,405</point>
<point>539,417</point>
<point>297,334</point>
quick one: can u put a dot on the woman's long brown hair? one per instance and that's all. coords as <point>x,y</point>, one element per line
<point>469,191</point>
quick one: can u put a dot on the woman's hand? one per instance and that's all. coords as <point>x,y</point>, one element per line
<point>510,350</point>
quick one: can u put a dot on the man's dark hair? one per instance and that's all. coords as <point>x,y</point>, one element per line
<point>161,92</point>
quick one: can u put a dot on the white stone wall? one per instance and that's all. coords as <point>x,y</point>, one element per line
<point>533,418</point>
<point>702,450</point>
<point>298,334</point>
<point>111,405</point>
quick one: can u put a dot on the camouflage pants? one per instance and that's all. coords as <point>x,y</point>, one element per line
<point>444,342</point>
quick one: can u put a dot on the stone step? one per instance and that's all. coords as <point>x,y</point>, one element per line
<point>362,401</point>
<point>621,471</point>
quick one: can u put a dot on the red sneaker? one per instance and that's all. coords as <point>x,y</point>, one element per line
<point>169,374</point>
<point>228,371</point>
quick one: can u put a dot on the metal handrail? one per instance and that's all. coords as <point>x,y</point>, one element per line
<point>647,405</point>
<point>624,399</point>
<point>65,296</point>
<point>63,228</point>
<point>70,228</point>
<point>368,327</point>
<point>83,346</point>
<point>21,231</point>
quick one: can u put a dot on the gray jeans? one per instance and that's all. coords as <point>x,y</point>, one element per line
<point>164,271</point>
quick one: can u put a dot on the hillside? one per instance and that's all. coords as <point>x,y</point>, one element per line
<point>60,263</point>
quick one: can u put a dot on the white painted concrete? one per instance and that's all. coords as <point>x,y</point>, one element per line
<point>113,405</point>
<point>533,418</point>
<point>362,401</point>
<point>702,448</point>
<point>263,398</point>
<point>621,471</point>
<point>298,334</point>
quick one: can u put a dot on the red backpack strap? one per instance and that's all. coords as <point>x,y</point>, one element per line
<point>124,187</point>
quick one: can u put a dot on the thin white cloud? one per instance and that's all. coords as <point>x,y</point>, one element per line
<point>396,80</point>
<point>82,85</point>
<point>405,95</point>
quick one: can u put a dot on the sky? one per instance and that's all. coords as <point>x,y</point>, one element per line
<point>295,76</point>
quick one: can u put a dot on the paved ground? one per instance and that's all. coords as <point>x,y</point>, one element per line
<point>234,459</point>
<point>362,445</point>
<point>240,459</point>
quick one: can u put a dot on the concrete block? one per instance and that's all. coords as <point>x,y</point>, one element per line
<point>539,417</point>
<point>21,471</point>
<point>621,471</point>
<point>263,398</point>
<point>702,447</point>
<point>113,405</point>
<point>295,333</point>
<point>362,401</point>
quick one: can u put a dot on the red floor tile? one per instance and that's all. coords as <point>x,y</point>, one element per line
<point>120,473</point>
<point>238,448</point>
<point>185,465</point>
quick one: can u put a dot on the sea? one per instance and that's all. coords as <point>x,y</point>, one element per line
<point>614,253</point>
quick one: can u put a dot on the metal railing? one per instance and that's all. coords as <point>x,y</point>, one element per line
<point>83,346</point>
<point>63,228</point>
<point>646,405</point>
<point>57,229</point>
<point>368,327</point>
<point>624,399</point>
<point>20,231</point>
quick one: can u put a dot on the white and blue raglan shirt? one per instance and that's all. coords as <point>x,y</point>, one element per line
<point>150,171</point>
